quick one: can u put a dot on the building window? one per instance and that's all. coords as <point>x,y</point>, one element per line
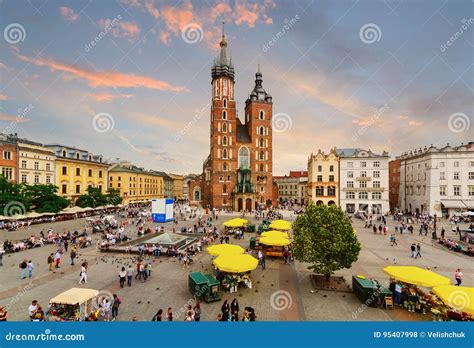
<point>261,167</point>
<point>36,165</point>
<point>331,191</point>
<point>320,178</point>
<point>441,164</point>
<point>100,188</point>
<point>78,189</point>
<point>441,176</point>
<point>442,190</point>
<point>7,173</point>
<point>224,167</point>
<point>64,153</point>
<point>456,175</point>
<point>224,188</point>
<point>90,157</point>
<point>37,179</point>
<point>261,142</point>
<point>224,127</point>
<point>225,103</point>
<point>64,170</point>
<point>363,195</point>
<point>331,178</point>
<point>471,190</point>
<point>77,156</point>
<point>377,164</point>
<point>363,164</point>
<point>350,195</point>
<point>376,184</point>
<point>363,184</point>
<point>78,171</point>
<point>23,164</point>
<point>224,153</point>
<point>319,191</point>
<point>7,155</point>
<point>261,115</point>
<point>350,174</point>
<point>89,172</point>
<point>376,195</point>
<point>100,173</point>
<point>320,168</point>
<point>262,131</point>
<point>457,190</point>
<point>63,189</point>
<point>376,174</point>
<point>24,179</point>
<point>48,179</point>
<point>350,184</point>
<point>48,166</point>
<point>456,164</point>
<point>363,174</point>
<point>331,168</point>
<point>224,140</point>
<point>224,115</point>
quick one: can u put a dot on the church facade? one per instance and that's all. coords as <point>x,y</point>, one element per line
<point>237,174</point>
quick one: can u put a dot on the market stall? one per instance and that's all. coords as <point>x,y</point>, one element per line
<point>410,279</point>
<point>274,246</point>
<point>75,304</point>
<point>458,301</point>
<point>235,223</point>
<point>234,269</point>
<point>281,225</point>
<point>204,286</point>
<point>225,249</point>
<point>275,234</point>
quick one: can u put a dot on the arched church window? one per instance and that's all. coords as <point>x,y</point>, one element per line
<point>262,156</point>
<point>224,115</point>
<point>224,140</point>
<point>244,157</point>
<point>225,103</point>
<point>261,115</point>
<point>224,153</point>
<point>224,127</point>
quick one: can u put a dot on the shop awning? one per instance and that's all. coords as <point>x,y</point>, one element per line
<point>455,204</point>
<point>237,222</point>
<point>469,204</point>
<point>74,296</point>
<point>238,263</point>
<point>281,225</point>
<point>225,249</point>
<point>416,276</point>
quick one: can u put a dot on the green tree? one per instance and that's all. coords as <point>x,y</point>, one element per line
<point>12,199</point>
<point>94,198</point>
<point>324,238</point>
<point>113,196</point>
<point>44,198</point>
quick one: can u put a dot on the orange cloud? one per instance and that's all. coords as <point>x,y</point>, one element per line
<point>3,97</point>
<point>126,30</point>
<point>415,123</point>
<point>165,37</point>
<point>176,18</point>
<point>107,97</point>
<point>103,78</point>
<point>13,118</point>
<point>68,14</point>
<point>152,10</point>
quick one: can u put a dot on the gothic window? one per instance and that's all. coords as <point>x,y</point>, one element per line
<point>261,115</point>
<point>261,167</point>
<point>224,153</point>
<point>244,157</point>
<point>224,127</point>
<point>262,156</point>
<point>224,115</point>
<point>225,87</point>
<point>224,140</point>
<point>261,142</point>
<point>224,166</point>
<point>224,188</point>
<point>262,131</point>
<point>225,103</point>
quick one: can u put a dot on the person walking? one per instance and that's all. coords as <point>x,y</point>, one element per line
<point>418,250</point>
<point>263,260</point>
<point>51,261</point>
<point>115,307</point>
<point>129,275</point>
<point>30,267</point>
<point>458,276</point>
<point>122,275</point>
<point>57,259</point>
<point>393,240</point>
<point>83,274</point>
<point>225,309</point>
<point>234,309</point>
<point>413,250</point>
<point>1,256</point>
<point>197,311</point>
<point>169,314</point>
<point>73,255</point>
<point>158,316</point>
<point>23,267</point>
<point>398,294</point>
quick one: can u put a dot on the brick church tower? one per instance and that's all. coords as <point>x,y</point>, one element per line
<point>238,172</point>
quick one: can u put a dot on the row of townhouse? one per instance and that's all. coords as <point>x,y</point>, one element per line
<point>73,170</point>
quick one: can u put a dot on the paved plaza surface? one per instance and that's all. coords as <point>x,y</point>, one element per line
<point>168,285</point>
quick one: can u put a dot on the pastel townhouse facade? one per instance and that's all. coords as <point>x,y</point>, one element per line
<point>437,180</point>
<point>323,178</point>
<point>36,163</point>
<point>8,158</point>
<point>363,181</point>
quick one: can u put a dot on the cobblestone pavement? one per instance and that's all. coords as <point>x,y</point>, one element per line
<point>280,292</point>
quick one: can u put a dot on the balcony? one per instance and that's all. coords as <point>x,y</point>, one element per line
<point>363,178</point>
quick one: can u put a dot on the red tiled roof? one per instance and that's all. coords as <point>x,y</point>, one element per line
<point>298,173</point>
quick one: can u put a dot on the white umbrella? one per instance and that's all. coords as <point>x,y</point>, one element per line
<point>468,213</point>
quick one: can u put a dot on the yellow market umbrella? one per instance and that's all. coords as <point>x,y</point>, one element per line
<point>274,241</point>
<point>416,276</point>
<point>236,263</point>
<point>281,225</point>
<point>460,298</point>
<point>225,249</point>
<point>237,222</point>
<point>275,234</point>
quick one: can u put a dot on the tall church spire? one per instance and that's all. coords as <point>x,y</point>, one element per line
<point>223,66</point>
<point>223,44</point>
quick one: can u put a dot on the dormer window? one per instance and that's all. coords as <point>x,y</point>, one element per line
<point>90,157</point>
<point>77,155</point>
<point>64,153</point>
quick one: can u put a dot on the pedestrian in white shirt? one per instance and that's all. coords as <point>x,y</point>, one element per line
<point>83,277</point>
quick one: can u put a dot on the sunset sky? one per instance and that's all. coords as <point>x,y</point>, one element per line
<point>369,74</point>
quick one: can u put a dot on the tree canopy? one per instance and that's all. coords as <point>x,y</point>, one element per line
<point>95,198</point>
<point>324,238</point>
